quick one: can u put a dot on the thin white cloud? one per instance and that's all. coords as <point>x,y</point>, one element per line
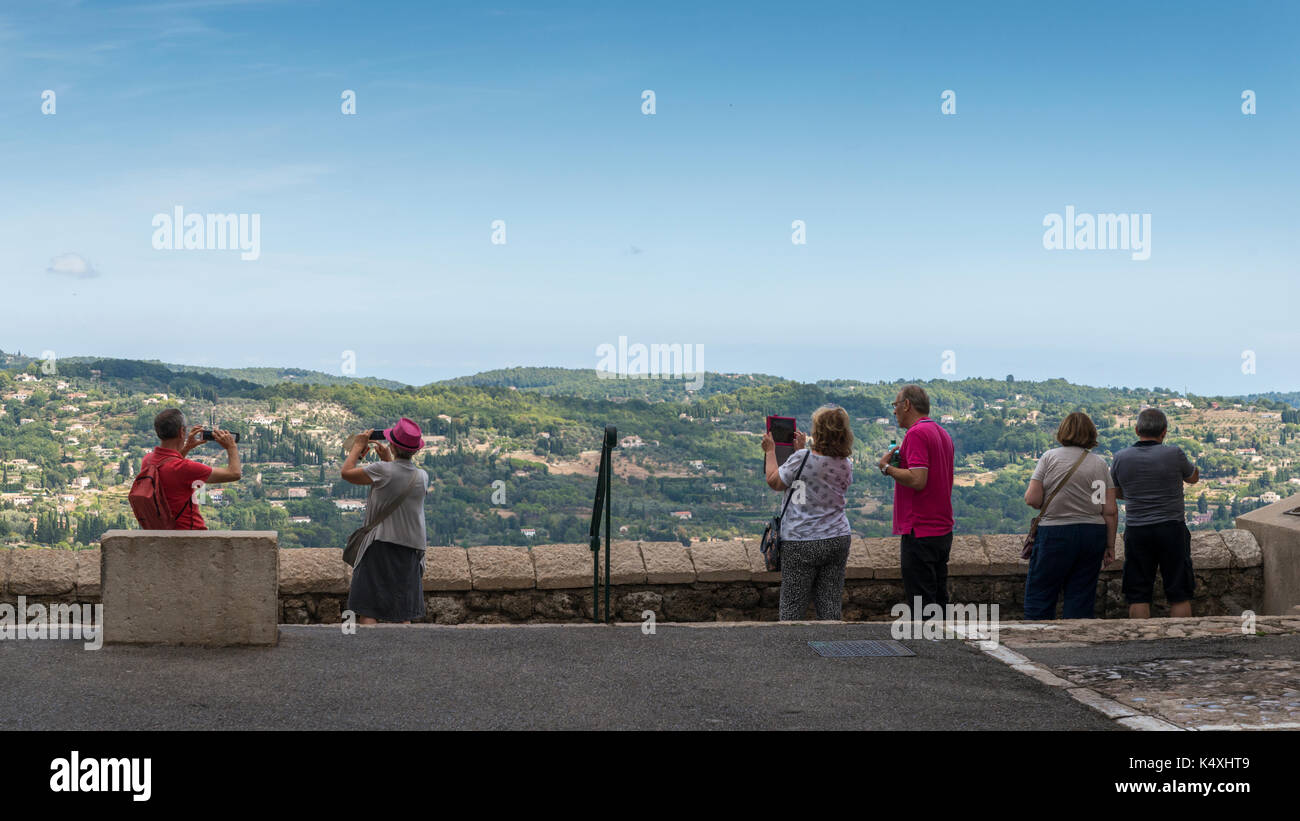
<point>72,265</point>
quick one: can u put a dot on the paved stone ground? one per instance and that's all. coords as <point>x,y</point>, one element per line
<point>1093,631</point>
<point>751,676</point>
<point>1197,673</point>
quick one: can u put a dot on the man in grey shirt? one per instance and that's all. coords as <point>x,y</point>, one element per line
<point>1149,477</point>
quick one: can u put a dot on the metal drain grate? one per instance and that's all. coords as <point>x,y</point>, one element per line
<point>865,647</point>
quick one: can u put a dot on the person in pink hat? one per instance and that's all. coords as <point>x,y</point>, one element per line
<point>387,578</point>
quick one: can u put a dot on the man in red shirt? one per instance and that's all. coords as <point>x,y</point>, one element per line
<point>182,478</point>
<point>922,499</point>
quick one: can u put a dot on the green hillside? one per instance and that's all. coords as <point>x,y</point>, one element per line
<point>71,438</point>
<point>588,384</point>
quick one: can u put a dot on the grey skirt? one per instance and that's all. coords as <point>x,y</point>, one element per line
<point>388,585</point>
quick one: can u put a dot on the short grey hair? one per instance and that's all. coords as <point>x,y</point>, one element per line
<point>1152,423</point>
<point>917,397</point>
<point>401,452</point>
<point>169,423</point>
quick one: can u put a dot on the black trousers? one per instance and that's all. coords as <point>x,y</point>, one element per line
<point>924,562</point>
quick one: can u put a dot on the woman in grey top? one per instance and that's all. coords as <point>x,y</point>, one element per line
<point>814,530</point>
<point>388,580</point>
<point>1076,534</point>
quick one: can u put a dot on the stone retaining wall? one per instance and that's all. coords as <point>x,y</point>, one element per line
<point>708,581</point>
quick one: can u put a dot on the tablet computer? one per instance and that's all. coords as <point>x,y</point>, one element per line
<point>782,429</point>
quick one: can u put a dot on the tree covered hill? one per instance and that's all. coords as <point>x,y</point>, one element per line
<point>590,384</point>
<point>688,466</point>
<point>170,378</point>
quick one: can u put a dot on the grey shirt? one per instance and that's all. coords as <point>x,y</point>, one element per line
<point>1149,478</point>
<point>406,525</point>
<point>1081,501</point>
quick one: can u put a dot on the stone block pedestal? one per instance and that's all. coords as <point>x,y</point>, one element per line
<point>202,587</point>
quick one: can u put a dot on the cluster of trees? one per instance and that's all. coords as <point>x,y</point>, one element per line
<point>79,530</point>
<point>265,444</point>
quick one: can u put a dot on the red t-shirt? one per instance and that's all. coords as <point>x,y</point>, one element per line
<point>925,512</point>
<point>178,476</point>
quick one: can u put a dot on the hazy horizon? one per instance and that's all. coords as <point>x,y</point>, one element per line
<point>721,371</point>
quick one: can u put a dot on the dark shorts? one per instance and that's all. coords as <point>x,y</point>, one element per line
<point>388,584</point>
<point>1166,546</point>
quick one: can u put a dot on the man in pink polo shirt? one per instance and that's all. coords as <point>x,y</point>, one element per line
<point>922,499</point>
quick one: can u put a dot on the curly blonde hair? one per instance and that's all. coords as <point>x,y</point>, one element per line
<point>831,432</point>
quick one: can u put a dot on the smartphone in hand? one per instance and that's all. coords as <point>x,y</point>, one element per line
<point>209,436</point>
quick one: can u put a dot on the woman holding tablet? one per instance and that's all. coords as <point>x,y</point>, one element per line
<point>814,530</point>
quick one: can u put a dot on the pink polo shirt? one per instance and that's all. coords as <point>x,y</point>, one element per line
<point>925,512</point>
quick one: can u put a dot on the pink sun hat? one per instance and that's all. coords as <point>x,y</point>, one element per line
<point>405,434</point>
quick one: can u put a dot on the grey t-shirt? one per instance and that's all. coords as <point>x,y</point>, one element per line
<point>820,515</point>
<point>1149,477</point>
<point>406,525</point>
<point>1081,501</point>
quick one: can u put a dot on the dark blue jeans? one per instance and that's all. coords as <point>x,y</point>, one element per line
<point>1066,557</point>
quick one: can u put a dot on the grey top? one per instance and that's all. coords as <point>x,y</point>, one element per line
<point>817,510</point>
<point>1149,478</point>
<point>406,525</point>
<point>1080,502</point>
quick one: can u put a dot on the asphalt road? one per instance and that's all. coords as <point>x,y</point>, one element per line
<point>544,677</point>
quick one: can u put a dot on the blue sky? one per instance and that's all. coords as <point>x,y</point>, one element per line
<point>924,231</point>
